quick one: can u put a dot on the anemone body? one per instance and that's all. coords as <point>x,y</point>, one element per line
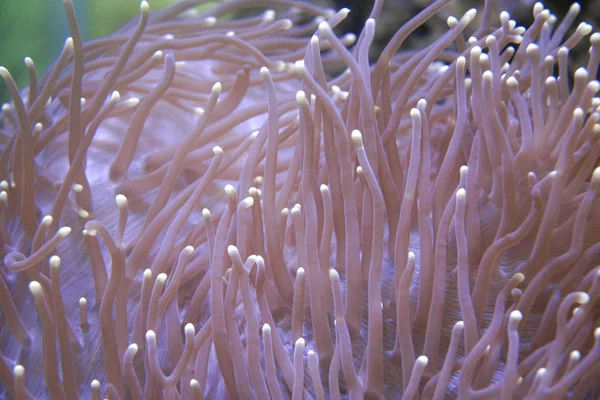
<point>200,207</point>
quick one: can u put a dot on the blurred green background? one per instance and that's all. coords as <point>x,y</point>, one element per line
<point>39,28</point>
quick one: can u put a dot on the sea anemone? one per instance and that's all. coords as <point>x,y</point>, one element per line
<point>200,206</point>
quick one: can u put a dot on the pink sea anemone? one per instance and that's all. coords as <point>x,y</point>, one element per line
<point>199,207</point>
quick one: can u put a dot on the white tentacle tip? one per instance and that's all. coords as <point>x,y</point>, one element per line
<point>324,27</point>
<point>121,200</point>
<point>217,88</point>
<point>233,251</point>
<point>35,288</point>
<point>301,97</point>
<point>115,96</point>
<point>133,348</point>
<point>248,202</point>
<point>471,14</point>
<point>19,371</point>
<point>47,220</point>
<point>519,277</point>
<point>69,44</point>
<point>54,262</point>
<point>299,66</point>
<point>575,355</point>
<point>194,384</point>
<point>64,231</point>
<point>415,113</point>
<point>4,73</point>
<point>596,176</point>
<point>333,275</point>
<point>189,329</point>
<point>300,344</point>
<point>357,139</point>
<point>512,82</point>
<point>583,298</point>
<point>161,278</point>
<point>188,250</point>
<point>266,329</point>
<point>229,190</point>
<point>150,336</point>
<point>516,316</point>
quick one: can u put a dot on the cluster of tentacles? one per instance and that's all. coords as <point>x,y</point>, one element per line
<point>425,226</point>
